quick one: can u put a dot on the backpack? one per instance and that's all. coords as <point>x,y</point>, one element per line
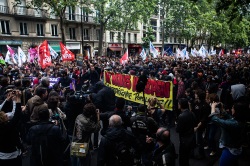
<point>41,147</point>
<point>122,153</point>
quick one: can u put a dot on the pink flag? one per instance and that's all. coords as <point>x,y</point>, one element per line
<point>12,52</point>
<point>32,54</point>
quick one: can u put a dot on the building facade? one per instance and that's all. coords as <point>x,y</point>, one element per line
<point>27,27</point>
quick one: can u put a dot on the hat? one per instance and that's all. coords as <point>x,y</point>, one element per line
<point>132,72</point>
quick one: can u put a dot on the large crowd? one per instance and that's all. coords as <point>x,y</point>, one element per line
<point>41,119</point>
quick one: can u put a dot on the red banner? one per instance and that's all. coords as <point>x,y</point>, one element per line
<point>67,55</point>
<point>44,58</point>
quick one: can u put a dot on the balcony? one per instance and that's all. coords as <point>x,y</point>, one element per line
<point>86,38</point>
<point>22,13</point>
<point>77,18</point>
<point>4,9</point>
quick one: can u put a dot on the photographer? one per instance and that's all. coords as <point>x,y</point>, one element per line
<point>232,132</point>
<point>87,123</point>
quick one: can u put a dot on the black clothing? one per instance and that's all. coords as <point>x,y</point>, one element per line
<point>143,126</point>
<point>106,153</point>
<point>65,81</point>
<point>9,139</point>
<point>166,151</point>
<point>93,77</point>
<point>185,128</point>
<point>54,144</point>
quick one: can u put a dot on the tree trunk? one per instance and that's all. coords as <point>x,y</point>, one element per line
<point>100,39</point>
<point>124,40</point>
<point>62,29</point>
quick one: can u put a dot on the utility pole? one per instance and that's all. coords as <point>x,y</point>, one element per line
<point>162,27</point>
<point>82,29</point>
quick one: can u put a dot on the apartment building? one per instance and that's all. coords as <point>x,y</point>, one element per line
<point>26,27</point>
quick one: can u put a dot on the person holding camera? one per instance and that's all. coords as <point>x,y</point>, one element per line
<point>85,124</point>
<point>10,144</point>
<point>164,153</point>
<point>232,131</point>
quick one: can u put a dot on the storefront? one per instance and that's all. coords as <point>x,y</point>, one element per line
<point>134,49</point>
<point>74,47</point>
<point>114,49</point>
<point>11,43</point>
<point>55,45</point>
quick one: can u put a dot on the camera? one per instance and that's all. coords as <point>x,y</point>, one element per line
<point>55,117</point>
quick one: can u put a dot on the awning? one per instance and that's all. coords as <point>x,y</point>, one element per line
<point>56,48</point>
<point>115,48</point>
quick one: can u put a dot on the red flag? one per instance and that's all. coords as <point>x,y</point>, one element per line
<point>221,53</point>
<point>67,55</point>
<point>44,58</point>
<point>124,58</point>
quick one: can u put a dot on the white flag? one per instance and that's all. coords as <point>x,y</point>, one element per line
<point>153,50</point>
<point>53,53</point>
<point>21,55</point>
<point>7,58</point>
<point>143,54</point>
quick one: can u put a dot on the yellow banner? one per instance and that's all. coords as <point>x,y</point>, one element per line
<point>125,87</point>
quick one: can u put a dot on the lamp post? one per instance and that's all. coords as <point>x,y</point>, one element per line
<point>82,28</point>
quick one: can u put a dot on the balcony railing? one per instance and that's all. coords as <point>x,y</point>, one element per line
<point>77,18</point>
<point>24,11</point>
<point>4,9</point>
<point>86,38</point>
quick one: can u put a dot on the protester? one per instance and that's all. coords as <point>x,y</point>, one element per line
<point>10,144</point>
<point>164,154</point>
<point>185,128</point>
<point>115,146</point>
<point>46,141</point>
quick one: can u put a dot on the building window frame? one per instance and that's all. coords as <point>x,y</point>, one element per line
<point>54,30</point>
<point>23,27</point>
<point>5,27</point>
<point>39,29</point>
<point>72,33</point>
<point>86,34</point>
<point>112,34</point>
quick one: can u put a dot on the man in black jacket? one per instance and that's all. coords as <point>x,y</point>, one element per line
<point>115,145</point>
<point>164,154</point>
<point>46,140</point>
<point>104,100</point>
<point>185,128</point>
<point>144,127</point>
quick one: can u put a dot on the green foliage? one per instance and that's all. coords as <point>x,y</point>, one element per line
<point>149,37</point>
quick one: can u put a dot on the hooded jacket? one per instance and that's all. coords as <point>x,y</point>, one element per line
<point>33,106</point>
<point>238,91</point>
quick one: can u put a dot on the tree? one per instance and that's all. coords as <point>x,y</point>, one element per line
<point>58,7</point>
<point>132,13</point>
<point>234,9</point>
<point>149,37</point>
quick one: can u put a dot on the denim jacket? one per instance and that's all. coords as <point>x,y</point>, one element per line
<point>231,131</point>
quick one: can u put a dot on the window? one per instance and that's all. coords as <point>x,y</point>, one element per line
<point>135,38</point>
<point>86,34</point>
<point>175,41</point>
<point>54,30</point>
<point>144,35</point>
<point>39,30</point>
<point>97,34</point>
<point>23,28</point>
<point>5,27</point>
<point>160,37</point>
<point>112,34</point>
<point>129,38</point>
<point>71,13</point>
<point>171,40</point>
<point>72,33</point>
